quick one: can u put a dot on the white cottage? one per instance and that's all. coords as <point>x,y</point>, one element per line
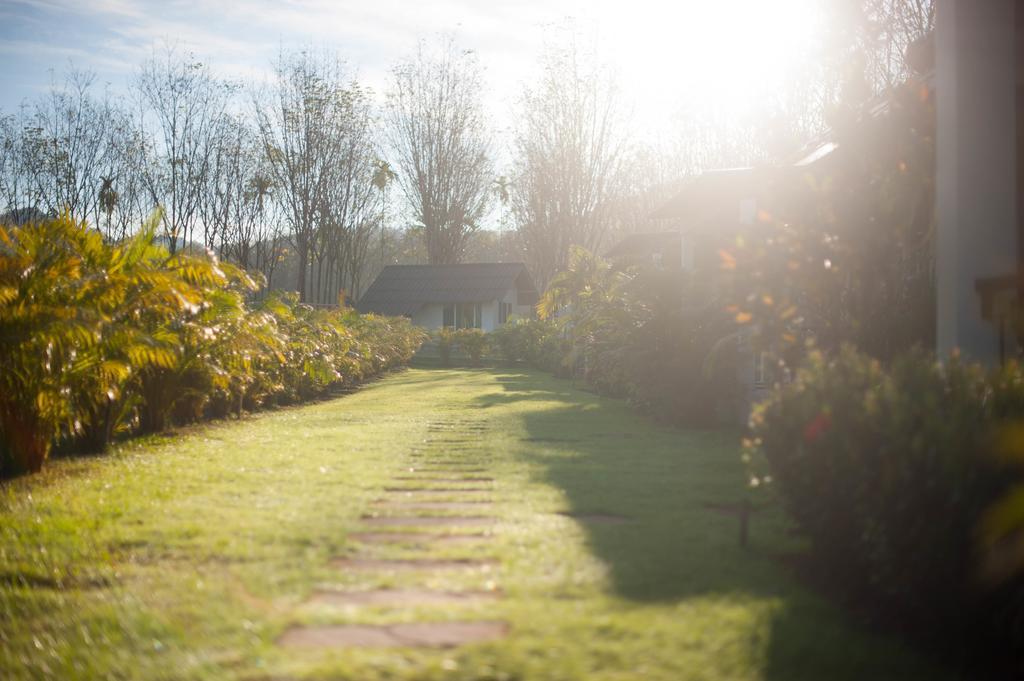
<point>473,295</point>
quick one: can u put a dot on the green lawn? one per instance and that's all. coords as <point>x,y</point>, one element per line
<point>188,556</point>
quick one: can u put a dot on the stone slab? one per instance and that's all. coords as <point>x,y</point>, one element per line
<point>430,506</point>
<point>437,490</point>
<point>418,635</point>
<point>360,564</point>
<point>403,597</point>
<point>418,538</point>
<point>427,520</point>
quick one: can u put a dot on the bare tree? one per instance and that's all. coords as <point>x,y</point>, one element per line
<point>71,151</point>
<point>122,202</point>
<point>71,134</point>
<point>182,107</point>
<point>265,231</point>
<point>866,43</point>
<point>224,208</point>
<point>348,210</point>
<point>569,152</point>
<point>301,121</point>
<point>440,145</point>
<point>16,187</point>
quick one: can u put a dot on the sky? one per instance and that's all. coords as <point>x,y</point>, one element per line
<point>720,56</point>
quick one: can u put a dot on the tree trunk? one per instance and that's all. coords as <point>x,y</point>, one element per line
<point>27,441</point>
<point>303,257</point>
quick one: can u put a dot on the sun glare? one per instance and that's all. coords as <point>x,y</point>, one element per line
<point>693,53</point>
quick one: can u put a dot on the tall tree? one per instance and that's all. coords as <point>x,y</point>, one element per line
<point>569,149</point>
<point>349,212</point>
<point>301,120</point>
<point>383,176</point>
<point>181,111</point>
<point>71,133</point>
<point>866,43</point>
<point>440,144</point>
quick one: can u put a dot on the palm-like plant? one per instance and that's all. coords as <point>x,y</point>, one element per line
<point>140,288</point>
<point>46,316</point>
<point>64,347</point>
<point>584,276</point>
<point>94,334</point>
<point>212,307</point>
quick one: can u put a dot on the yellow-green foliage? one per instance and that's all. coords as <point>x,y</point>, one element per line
<point>445,338</point>
<point>473,342</point>
<point>98,337</point>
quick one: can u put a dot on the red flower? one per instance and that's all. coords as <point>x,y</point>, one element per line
<point>817,427</point>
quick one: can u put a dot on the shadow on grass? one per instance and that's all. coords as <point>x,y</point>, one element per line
<point>609,460</point>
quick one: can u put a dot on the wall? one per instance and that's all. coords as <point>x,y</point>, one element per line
<point>489,316</point>
<point>431,316</point>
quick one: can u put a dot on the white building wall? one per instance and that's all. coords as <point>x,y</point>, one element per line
<point>512,298</point>
<point>489,316</point>
<point>431,316</point>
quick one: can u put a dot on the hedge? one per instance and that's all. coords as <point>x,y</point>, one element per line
<point>102,338</point>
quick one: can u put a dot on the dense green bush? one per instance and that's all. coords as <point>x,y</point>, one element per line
<point>474,342</point>
<point>647,334</point>
<point>892,473</point>
<point>97,338</point>
<point>537,342</point>
<point>445,339</point>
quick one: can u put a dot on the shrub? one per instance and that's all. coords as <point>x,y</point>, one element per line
<point>70,338</point>
<point>537,342</point>
<point>474,342</point>
<point>890,472</point>
<point>97,338</point>
<point>651,335</point>
<point>445,338</point>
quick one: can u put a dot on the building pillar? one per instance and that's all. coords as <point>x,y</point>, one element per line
<point>976,156</point>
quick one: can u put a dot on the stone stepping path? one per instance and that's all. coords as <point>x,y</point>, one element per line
<point>413,563</point>
<point>437,490</point>
<point>420,634</point>
<point>432,505</point>
<point>454,479</point>
<point>431,478</point>
<point>428,520</point>
<point>403,597</point>
<point>448,470</point>
<point>419,538</point>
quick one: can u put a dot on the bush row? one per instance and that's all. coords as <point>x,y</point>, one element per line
<point>538,343</point>
<point>903,479</point>
<point>474,342</point>
<point>646,334</point>
<point>99,338</point>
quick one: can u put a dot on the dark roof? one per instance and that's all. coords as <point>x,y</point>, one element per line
<point>645,243</point>
<point>404,289</point>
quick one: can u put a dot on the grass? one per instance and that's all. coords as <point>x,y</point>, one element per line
<point>187,556</point>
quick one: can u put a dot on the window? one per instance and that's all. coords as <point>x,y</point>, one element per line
<point>761,368</point>
<point>504,312</point>
<point>463,316</point>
